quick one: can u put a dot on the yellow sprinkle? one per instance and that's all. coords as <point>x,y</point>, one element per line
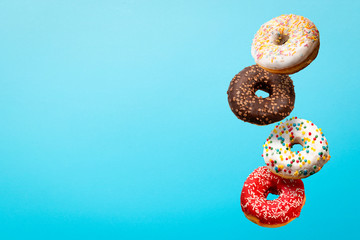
<point>309,161</point>
<point>296,173</point>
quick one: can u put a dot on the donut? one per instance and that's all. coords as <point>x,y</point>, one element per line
<point>282,161</point>
<point>286,44</point>
<point>247,106</point>
<point>271,213</point>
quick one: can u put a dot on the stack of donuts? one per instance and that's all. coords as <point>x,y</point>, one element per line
<point>282,46</point>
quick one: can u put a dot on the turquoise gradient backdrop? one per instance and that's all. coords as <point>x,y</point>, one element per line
<point>115,123</point>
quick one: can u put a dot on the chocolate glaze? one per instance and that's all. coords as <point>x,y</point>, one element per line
<point>257,110</point>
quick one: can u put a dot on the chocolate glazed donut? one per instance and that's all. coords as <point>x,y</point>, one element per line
<point>257,110</point>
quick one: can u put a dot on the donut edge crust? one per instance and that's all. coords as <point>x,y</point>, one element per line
<point>295,68</point>
<point>257,221</point>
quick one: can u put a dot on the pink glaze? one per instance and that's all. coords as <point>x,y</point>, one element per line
<point>286,207</point>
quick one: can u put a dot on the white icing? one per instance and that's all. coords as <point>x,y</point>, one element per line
<point>281,160</point>
<point>303,39</point>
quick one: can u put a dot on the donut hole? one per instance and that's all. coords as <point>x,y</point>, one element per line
<point>262,94</point>
<point>262,90</point>
<point>280,39</point>
<point>297,145</point>
<point>272,194</point>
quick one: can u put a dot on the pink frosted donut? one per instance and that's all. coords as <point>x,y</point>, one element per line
<point>271,213</point>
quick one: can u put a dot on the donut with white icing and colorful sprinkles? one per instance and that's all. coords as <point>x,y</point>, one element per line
<point>281,160</point>
<point>286,44</point>
<point>271,213</point>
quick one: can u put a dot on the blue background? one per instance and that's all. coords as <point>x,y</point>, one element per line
<point>115,122</point>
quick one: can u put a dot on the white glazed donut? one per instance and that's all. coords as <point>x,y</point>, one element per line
<point>282,161</point>
<point>286,44</point>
